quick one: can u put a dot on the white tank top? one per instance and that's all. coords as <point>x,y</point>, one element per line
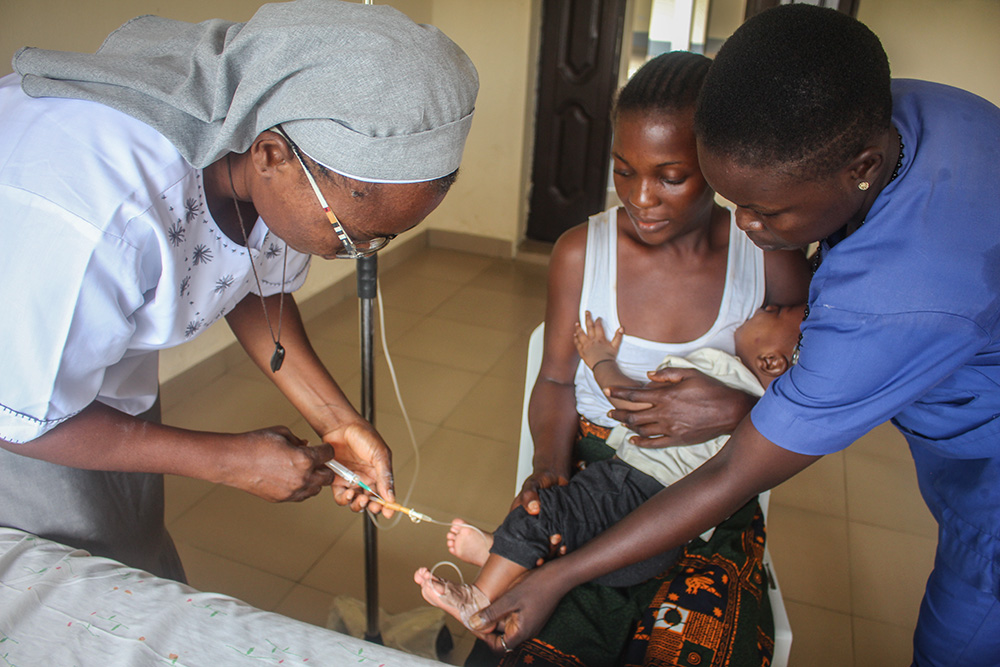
<point>743,295</point>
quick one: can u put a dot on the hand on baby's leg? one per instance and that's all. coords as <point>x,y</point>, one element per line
<point>591,343</point>
<point>556,549</point>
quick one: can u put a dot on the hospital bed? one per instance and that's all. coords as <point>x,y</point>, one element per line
<point>782,629</point>
<point>60,606</point>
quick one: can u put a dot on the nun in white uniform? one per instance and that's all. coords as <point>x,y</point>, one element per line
<point>183,174</point>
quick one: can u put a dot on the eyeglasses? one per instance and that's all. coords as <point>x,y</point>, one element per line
<point>351,249</point>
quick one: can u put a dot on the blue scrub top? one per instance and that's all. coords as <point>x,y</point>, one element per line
<point>904,324</point>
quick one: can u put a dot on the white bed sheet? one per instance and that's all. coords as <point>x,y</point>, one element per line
<point>60,606</point>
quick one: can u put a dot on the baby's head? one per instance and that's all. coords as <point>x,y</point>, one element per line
<point>766,342</point>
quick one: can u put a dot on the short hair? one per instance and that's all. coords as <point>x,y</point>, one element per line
<point>797,87</point>
<point>444,183</point>
<point>668,83</point>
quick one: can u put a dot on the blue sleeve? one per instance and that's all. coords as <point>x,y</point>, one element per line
<point>856,371</point>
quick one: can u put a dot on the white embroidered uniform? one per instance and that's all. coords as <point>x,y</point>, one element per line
<point>110,254</point>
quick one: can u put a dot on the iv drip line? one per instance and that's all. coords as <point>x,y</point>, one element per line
<point>402,407</point>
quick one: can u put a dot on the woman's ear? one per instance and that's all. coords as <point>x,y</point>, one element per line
<point>771,364</point>
<point>270,154</point>
<point>865,165</point>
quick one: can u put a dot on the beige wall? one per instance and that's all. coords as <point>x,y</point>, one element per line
<point>949,41</point>
<point>81,25</point>
<point>724,17</point>
<point>489,197</point>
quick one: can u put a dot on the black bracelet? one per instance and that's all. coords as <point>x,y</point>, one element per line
<point>594,367</point>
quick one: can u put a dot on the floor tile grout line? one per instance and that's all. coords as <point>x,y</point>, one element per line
<point>190,508</point>
<point>850,569</point>
<point>353,525</point>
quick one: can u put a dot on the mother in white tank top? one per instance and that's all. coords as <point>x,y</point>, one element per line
<point>669,266</point>
<point>742,295</point>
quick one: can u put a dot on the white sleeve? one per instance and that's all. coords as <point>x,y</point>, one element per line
<point>70,290</point>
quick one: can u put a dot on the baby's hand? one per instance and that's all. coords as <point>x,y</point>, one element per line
<point>591,343</point>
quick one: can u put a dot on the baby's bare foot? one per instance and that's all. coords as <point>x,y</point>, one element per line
<point>459,600</point>
<point>468,543</point>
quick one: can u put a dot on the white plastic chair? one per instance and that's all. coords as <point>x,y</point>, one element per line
<point>782,629</point>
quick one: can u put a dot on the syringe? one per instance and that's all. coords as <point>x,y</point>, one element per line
<point>352,478</point>
<point>349,475</point>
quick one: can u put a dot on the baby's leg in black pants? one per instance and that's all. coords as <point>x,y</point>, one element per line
<point>594,500</point>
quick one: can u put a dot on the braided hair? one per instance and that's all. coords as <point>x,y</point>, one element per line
<point>797,87</point>
<point>668,83</point>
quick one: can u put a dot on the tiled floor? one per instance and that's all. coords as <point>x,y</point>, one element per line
<point>851,540</point>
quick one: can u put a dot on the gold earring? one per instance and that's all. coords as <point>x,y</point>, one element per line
<point>864,185</point>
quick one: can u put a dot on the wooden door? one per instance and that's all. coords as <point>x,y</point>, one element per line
<point>578,73</point>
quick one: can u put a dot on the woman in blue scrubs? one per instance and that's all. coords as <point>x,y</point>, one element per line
<point>802,128</point>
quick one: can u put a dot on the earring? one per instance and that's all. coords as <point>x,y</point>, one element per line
<point>864,185</point>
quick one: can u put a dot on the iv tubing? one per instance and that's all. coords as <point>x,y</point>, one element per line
<point>354,478</point>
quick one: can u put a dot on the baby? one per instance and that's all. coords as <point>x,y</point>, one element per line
<point>606,491</point>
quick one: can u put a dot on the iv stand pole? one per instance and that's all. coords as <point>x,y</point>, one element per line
<point>367,283</point>
<point>367,270</point>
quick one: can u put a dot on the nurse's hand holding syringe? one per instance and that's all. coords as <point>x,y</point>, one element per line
<point>349,476</point>
<point>352,477</point>
<point>360,449</point>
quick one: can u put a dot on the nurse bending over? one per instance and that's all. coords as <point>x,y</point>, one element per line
<point>181,175</point>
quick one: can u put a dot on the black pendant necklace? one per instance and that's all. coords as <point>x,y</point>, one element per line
<point>814,263</point>
<point>279,352</point>
<point>899,160</point>
<point>278,357</point>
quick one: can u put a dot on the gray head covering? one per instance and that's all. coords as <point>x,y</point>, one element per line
<point>361,89</point>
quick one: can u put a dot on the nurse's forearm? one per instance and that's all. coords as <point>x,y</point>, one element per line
<point>305,382</point>
<point>303,378</point>
<point>270,463</point>
<point>102,438</point>
<point>747,465</point>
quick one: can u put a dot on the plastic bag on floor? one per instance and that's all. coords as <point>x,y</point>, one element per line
<point>419,631</point>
